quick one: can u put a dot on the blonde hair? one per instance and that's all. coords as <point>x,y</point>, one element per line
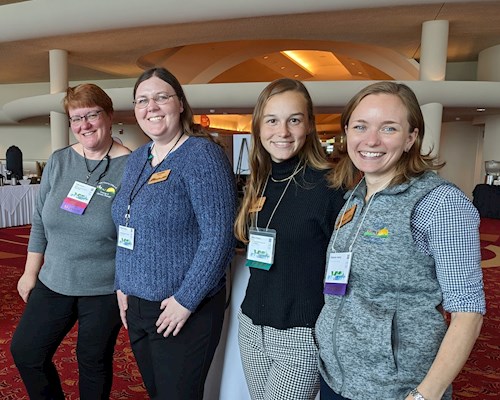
<point>412,163</point>
<point>310,154</point>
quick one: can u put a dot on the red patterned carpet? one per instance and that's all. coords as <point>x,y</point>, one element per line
<point>480,378</point>
<point>127,383</point>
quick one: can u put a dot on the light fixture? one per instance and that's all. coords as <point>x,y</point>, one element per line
<point>480,109</point>
<point>294,56</point>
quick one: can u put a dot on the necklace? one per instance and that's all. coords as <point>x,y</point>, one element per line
<point>297,170</point>
<point>166,155</point>
<point>91,171</point>
<point>134,192</point>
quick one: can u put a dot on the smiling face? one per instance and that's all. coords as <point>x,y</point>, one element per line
<point>92,135</point>
<point>378,132</point>
<point>160,122</point>
<point>284,125</point>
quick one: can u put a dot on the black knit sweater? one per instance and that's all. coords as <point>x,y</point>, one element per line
<point>290,294</point>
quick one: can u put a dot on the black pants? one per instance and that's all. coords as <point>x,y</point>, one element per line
<point>175,367</point>
<point>326,392</point>
<point>46,320</point>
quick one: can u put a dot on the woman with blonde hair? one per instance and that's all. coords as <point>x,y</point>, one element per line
<point>286,218</point>
<point>405,248</point>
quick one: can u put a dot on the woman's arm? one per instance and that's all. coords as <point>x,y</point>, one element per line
<point>453,353</point>
<point>451,235</point>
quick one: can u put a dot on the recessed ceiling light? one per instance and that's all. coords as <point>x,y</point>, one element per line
<point>480,109</point>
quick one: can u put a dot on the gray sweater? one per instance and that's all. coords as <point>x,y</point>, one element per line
<point>382,336</point>
<point>79,250</point>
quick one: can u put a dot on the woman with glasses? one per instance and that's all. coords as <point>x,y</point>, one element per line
<point>70,267</point>
<point>174,215</point>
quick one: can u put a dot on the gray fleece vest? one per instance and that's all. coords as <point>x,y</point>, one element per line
<point>382,336</point>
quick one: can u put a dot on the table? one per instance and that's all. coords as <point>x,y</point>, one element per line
<point>17,204</point>
<point>487,200</point>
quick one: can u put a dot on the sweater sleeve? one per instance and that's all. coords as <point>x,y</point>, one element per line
<point>212,192</point>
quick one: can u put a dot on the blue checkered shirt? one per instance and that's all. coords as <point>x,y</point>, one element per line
<point>445,226</point>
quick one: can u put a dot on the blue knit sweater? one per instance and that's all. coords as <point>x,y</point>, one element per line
<point>183,226</point>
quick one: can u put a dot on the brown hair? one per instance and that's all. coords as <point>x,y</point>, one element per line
<point>412,163</point>
<point>260,161</point>
<point>87,95</point>
<point>186,118</point>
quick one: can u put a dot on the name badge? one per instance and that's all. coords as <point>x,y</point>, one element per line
<point>346,217</point>
<point>257,206</point>
<point>78,198</point>
<point>337,273</point>
<point>126,237</point>
<point>159,177</point>
<point>260,252</point>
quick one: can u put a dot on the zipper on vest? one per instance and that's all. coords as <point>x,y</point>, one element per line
<point>335,347</point>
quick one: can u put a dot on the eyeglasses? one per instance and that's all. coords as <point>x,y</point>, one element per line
<point>159,98</point>
<point>90,117</point>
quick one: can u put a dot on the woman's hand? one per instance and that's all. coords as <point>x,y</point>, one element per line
<point>173,317</point>
<point>28,280</point>
<point>26,284</point>
<point>122,305</point>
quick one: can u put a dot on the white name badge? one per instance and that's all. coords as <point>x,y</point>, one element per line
<point>260,253</point>
<point>78,198</point>
<point>126,237</point>
<point>339,266</point>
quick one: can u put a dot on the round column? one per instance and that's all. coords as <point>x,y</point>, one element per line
<point>487,64</point>
<point>491,141</point>
<point>434,50</point>
<point>433,114</point>
<point>58,64</point>
<point>59,134</point>
<point>487,70</point>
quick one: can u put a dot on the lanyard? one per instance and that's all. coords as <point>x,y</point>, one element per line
<point>90,172</point>
<point>133,195</point>
<point>279,201</point>
<point>362,219</point>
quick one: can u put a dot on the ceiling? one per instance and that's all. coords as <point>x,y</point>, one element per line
<point>222,41</point>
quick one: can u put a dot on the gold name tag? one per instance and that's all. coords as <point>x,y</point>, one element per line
<point>347,217</point>
<point>159,177</point>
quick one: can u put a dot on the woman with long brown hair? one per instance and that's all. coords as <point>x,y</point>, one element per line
<point>286,218</point>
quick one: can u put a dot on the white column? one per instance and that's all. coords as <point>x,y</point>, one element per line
<point>491,141</point>
<point>433,55</point>
<point>487,64</point>
<point>433,114</point>
<point>434,50</point>
<point>487,70</point>
<point>59,134</point>
<point>58,64</point>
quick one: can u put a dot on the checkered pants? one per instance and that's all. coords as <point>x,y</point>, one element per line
<point>279,364</point>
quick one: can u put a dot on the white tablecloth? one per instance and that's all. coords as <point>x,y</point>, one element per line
<point>17,204</point>
<point>225,380</point>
